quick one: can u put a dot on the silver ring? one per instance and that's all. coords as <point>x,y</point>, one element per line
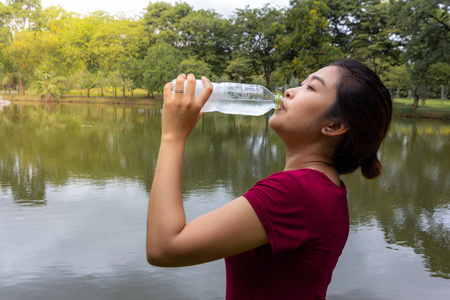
<point>179,91</point>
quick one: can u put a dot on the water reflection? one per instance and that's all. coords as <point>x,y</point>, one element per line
<point>411,202</point>
<point>73,160</point>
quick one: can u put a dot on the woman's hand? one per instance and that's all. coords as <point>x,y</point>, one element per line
<point>181,111</point>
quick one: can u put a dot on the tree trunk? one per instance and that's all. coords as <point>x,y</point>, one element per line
<point>123,92</point>
<point>88,94</point>
<point>132,93</point>
<point>416,99</point>
<point>267,76</point>
<point>442,95</point>
<point>397,95</point>
<point>22,88</point>
<point>102,90</point>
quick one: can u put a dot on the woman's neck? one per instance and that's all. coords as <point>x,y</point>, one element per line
<point>309,160</point>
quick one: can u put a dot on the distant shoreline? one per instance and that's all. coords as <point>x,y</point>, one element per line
<point>400,109</point>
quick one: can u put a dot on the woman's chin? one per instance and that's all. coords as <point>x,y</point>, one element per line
<point>273,122</point>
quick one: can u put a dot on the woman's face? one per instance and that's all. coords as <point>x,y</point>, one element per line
<point>296,119</point>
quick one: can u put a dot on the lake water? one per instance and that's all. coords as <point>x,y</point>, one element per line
<point>75,180</point>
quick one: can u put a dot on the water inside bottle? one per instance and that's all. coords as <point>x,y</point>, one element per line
<point>251,107</point>
<point>236,98</point>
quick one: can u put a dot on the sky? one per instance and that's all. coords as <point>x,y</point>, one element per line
<point>133,8</point>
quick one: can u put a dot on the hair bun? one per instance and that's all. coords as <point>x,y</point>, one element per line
<point>371,167</point>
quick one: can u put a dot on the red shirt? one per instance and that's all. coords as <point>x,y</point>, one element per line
<point>305,216</point>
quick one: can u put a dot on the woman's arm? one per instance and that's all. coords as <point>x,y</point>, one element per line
<point>229,230</point>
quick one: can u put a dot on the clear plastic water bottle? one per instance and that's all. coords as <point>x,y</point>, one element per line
<point>237,98</point>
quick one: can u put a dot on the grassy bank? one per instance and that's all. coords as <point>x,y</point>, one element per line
<point>432,109</point>
<point>140,97</point>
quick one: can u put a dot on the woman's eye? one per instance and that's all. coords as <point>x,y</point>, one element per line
<point>308,87</point>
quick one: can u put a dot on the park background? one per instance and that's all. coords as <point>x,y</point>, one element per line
<point>52,54</point>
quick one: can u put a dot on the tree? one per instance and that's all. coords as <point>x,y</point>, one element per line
<point>87,81</point>
<point>23,14</point>
<point>426,34</point>
<point>163,21</point>
<point>116,40</point>
<point>240,68</point>
<point>373,39</point>
<point>6,33</point>
<point>160,65</point>
<point>79,41</point>
<point>397,78</point>
<point>55,50</point>
<point>193,65</point>
<point>25,54</point>
<point>7,74</point>
<point>255,34</point>
<point>343,18</point>
<point>127,70</point>
<point>115,80</point>
<point>48,84</point>
<point>133,73</point>
<point>305,43</point>
<point>438,76</point>
<point>205,35</point>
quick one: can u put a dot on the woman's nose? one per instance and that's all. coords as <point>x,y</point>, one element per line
<point>289,94</point>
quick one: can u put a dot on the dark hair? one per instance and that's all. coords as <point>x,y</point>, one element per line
<point>364,104</point>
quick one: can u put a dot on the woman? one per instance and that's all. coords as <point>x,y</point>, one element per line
<point>283,237</point>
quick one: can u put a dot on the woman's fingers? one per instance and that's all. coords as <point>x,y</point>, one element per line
<point>179,86</point>
<point>184,93</point>
<point>190,87</point>
<point>181,110</point>
<point>206,92</point>
<point>167,91</point>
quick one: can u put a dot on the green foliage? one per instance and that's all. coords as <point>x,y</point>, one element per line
<point>7,74</point>
<point>163,21</point>
<point>425,32</point>
<point>397,78</point>
<point>21,14</point>
<point>205,35</point>
<point>305,45</point>
<point>240,68</point>
<point>439,74</point>
<point>372,42</point>
<point>192,65</point>
<point>48,84</point>
<point>405,42</point>
<point>115,81</point>
<point>160,65</point>
<point>344,16</point>
<point>254,39</point>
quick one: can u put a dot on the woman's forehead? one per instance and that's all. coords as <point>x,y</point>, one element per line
<point>328,76</point>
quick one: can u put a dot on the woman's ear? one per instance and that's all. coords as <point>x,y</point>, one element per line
<point>335,129</point>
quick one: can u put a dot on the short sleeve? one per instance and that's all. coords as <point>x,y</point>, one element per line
<point>282,205</point>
